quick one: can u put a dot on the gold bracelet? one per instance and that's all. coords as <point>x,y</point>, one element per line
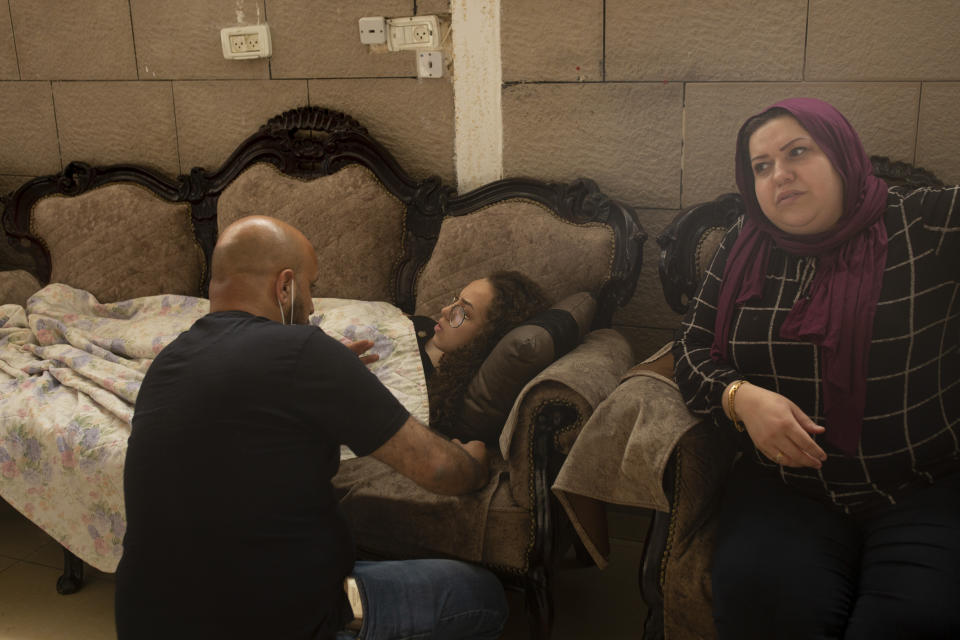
<point>733,412</point>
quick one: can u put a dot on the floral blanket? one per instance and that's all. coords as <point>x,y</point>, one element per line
<point>70,370</point>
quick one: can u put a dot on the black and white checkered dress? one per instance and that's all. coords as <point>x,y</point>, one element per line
<point>911,425</point>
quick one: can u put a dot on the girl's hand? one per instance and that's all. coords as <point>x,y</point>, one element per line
<point>778,428</point>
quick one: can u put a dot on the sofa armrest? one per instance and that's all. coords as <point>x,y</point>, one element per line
<point>553,407</point>
<point>675,575</point>
<point>17,286</point>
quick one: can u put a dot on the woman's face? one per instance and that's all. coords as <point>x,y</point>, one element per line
<point>475,300</point>
<point>797,187</point>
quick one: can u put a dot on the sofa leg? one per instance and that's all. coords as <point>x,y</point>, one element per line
<point>539,604</point>
<point>72,579</point>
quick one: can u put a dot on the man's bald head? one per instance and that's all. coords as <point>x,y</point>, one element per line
<point>254,262</point>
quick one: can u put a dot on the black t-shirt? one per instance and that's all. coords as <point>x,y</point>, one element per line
<point>232,526</point>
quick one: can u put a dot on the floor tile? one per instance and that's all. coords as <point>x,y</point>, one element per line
<point>6,563</point>
<point>31,608</point>
<point>590,603</point>
<point>49,555</point>
<point>18,536</point>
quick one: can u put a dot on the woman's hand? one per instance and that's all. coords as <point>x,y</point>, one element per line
<point>778,428</point>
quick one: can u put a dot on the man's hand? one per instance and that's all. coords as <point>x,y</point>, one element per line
<point>360,347</point>
<point>778,428</point>
<point>477,451</point>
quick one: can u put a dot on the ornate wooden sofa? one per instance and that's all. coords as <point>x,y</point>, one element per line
<point>126,231</point>
<point>675,573</point>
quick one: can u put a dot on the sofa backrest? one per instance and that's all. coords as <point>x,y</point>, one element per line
<point>118,232</point>
<point>566,244</point>
<point>126,231</point>
<point>689,242</point>
<point>353,222</point>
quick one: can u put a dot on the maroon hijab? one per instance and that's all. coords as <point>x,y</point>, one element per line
<point>837,312</point>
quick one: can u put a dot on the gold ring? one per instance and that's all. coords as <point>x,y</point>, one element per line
<point>779,457</point>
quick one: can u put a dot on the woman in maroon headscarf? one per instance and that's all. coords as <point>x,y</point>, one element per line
<point>826,336</point>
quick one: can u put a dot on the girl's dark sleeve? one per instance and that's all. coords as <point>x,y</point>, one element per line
<point>701,380</point>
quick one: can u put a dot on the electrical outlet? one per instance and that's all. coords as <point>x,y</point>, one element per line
<point>418,32</point>
<point>422,33</point>
<point>246,41</point>
<point>238,44</point>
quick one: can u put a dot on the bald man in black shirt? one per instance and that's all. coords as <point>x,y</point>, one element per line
<point>232,527</point>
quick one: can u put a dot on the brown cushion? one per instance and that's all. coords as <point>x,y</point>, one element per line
<point>16,286</point>
<point>520,355</point>
<point>120,241</point>
<point>560,256</point>
<point>353,222</point>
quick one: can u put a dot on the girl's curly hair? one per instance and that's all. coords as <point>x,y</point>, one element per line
<point>516,298</point>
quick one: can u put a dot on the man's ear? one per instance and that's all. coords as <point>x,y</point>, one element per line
<point>283,285</point>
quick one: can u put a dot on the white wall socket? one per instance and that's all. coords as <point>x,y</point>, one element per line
<point>245,42</point>
<point>418,32</point>
<point>373,30</point>
<point>430,64</point>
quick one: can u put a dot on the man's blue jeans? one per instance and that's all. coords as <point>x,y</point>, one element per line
<point>410,599</point>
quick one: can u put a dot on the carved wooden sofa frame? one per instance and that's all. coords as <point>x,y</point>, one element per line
<point>310,142</point>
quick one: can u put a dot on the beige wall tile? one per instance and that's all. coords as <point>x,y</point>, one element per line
<point>884,114</point>
<point>412,118</point>
<point>213,117</point>
<point>551,40</point>
<point>322,40</point>
<point>626,137</point>
<point>706,40</point>
<point>9,70</point>
<point>117,122</point>
<point>81,40</point>
<point>10,183</point>
<point>939,136</point>
<point>431,7</point>
<point>28,129</point>
<point>647,307</point>
<point>893,40</point>
<point>180,39</point>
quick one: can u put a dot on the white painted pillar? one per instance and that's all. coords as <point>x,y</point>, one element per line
<point>477,80</point>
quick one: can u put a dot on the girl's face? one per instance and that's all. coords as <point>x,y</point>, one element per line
<point>797,187</point>
<point>475,299</point>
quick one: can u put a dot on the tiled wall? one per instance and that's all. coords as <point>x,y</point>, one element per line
<point>144,81</point>
<point>643,96</point>
<point>646,96</point>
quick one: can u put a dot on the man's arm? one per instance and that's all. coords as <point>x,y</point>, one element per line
<point>433,462</point>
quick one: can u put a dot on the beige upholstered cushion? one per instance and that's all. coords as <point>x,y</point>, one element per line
<point>562,257</point>
<point>120,241</point>
<point>521,354</point>
<point>16,286</point>
<point>706,248</point>
<point>353,222</point>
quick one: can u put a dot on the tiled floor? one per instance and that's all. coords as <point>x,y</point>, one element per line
<point>589,603</point>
